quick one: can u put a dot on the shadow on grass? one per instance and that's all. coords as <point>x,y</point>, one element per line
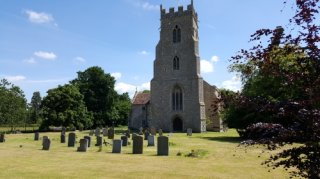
<point>224,139</point>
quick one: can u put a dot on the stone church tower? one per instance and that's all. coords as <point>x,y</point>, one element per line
<point>177,97</point>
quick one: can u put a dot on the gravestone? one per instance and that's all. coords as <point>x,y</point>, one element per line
<point>140,131</point>
<point>89,140</point>
<point>160,132</point>
<point>2,138</point>
<point>71,139</point>
<point>150,140</point>
<point>46,142</point>
<point>97,132</point>
<point>189,132</point>
<point>99,141</point>
<point>63,130</point>
<point>116,147</point>
<point>83,145</point>
<point>163,145</point>
<point>111,133</point>
<point>124,140</point>
<point>153,131</point>
<point>137,145</point>
<point>105,132</point>
<point>36,135</point>
<point>91,132</point>
<point>63,138</point>
<point>133,135</point>
<point>146,135</point>
<point>128,133</point>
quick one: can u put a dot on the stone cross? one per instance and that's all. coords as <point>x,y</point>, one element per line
<point>116,147</point>
<point>71,139</point>
<point>83,145</point>
<point>163,145</point>
<point>137,145</point>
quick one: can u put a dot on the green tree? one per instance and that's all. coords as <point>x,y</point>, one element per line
<point>97,87</point>
<point>123,106</point>
<point>34,107</point>
<point>13,104</point>
<point>64,106</point>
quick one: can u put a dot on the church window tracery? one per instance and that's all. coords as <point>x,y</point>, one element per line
<point>177,99</point>
<point>176,63</point>
<point>176,34</point>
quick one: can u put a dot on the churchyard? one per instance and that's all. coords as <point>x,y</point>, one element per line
<point>215,155</point>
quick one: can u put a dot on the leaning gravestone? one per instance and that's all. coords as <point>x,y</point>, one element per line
<point>116,147</point>
<point>63,138</point>
<point>137,145</point>
<point>124,140</point>
<point>83,145</point>
<point>111,133</point>
<point>160,132</point>
<point>2,138</point>
<point>153,131</point>
<point>97,132</point>
<point>146,134</point>
<point>189,132</point>
<point>91,132</point>
<point>99,141</point>
<point>105,132</point>
<point>36,135</point>
<point>89,140</point>
<point>163,145</point>
<point>150,140</point>
<point>46,142</point>
<point>71,139</point>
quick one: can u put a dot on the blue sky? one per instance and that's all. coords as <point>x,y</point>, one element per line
<point>45,43</point>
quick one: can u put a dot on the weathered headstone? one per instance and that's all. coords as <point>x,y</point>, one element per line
<point>140,131</point>
<point>160,132</point>
<point>83,145</point>
<point>153,131</point>
<point>71,139</point>
<point>36,135</point>
<point>2,138</point>
<point>46,142</point>
<point>128,133</point>
<point>189,132</point>
<point>99,141</point>
<point>133,135</point>
<point>163,145</point>
<point>62,138</point>
<point>137,145</point>
<point>150,140</point>
<point>89,140</point>
<point>116,147</point>
<point>91,132</point>
<point>111,133</point>
<point>97,132</point>
<point>146,135</point>
<point>105,132</point>
<point>124,140</point>
<point>63,130</point>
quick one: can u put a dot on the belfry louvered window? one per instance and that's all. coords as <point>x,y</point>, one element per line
<point>177,99</point>
<point>176,34</point>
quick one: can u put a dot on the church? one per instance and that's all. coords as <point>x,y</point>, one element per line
<point>179,98</point>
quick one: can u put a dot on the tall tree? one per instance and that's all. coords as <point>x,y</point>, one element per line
<point>97,87</point>
<point>34,110</point>
<point>64,106</point>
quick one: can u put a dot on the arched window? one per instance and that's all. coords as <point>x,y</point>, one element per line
<point>177,99</point>
<point>176,34</point>
<point>176,63</point>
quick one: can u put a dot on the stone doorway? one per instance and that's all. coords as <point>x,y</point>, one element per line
<point>177,124</point>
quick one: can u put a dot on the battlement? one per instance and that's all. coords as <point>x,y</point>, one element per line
<point>172,13</point>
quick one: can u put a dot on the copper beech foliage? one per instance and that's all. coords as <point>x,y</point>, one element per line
<point>300,39</point>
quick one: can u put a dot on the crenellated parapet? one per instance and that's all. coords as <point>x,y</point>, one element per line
<point>180,12</point>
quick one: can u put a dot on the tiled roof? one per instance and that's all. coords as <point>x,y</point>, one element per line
<point>141,98</point>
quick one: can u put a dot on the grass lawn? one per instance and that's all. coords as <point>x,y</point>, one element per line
<point>221,159</point>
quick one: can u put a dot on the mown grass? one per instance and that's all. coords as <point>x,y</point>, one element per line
<point>219,157</point>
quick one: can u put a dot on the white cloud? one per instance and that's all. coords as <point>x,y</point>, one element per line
<point>15,78</point>
<point>144,52</point>
<point>116,75</point>
<point>30,60</point>
<point>79,60</point>
<point>234,84</point>
<point>215,58</point>
<point>131,89</point>
<point>149,7</point>
<point>206,66</point>
<point>45,55</point>
<point>49,80</point>
<point>39,17</point>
